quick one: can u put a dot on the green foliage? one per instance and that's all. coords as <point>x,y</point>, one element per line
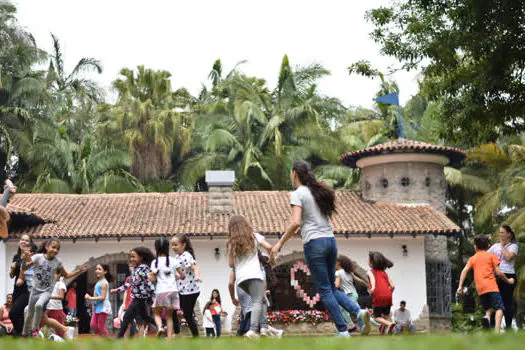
<point>466,322</point>
<point>471,56</point>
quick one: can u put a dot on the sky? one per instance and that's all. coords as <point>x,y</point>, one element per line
<point>186,37</point>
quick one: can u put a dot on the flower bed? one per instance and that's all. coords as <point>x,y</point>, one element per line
<point>288,317</point>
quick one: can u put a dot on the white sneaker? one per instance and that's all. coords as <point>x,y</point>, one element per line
<point>41,335</point>
<point>251,334</point>
<point>364,315</point>
<point>56,338</point>
<point>70,333</point>
<point>279,333</point>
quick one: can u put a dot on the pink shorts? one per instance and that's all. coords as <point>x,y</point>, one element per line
<point>169,300</point>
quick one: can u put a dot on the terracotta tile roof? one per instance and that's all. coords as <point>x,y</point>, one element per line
<point>159,214</point>
<point>455,155</point>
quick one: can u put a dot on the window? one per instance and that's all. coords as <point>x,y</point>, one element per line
<point>367,186</point>
<point>427,182</point>
<point>439,294</point>
<point>384,182</point>
<point>405,181</point>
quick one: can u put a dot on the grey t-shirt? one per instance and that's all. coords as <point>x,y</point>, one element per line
<point>44,278</point>
<point>347,281</point>
<point>506,266</point>
<point>313,223</point>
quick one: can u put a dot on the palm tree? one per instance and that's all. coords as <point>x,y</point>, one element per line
<point>146,123</point>
<point>59,165</point>
<point>21,88</point>
<point>69,84</point>
<point>226,132</point>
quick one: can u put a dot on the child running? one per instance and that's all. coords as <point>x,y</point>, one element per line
<point>100,299</point>
<point>485,265</point>
<point>381,288</point>
<point>244,259</point>
<point>163,271</point>
<point>46,266</point>
<point>55,310</point>
<point>344,280</point>
<point>142,289</point>
<point>189,289</point>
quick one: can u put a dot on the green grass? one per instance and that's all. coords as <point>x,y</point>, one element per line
<point>418,342</point>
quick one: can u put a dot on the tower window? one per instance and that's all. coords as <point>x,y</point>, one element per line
<point>367,186</point>
<point>384,182</point>
<point>427,182</point>
<point>405,181</point>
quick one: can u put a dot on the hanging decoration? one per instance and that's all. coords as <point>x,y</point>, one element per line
<point>301,266</point>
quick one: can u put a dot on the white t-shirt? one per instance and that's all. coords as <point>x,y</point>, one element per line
<point>402,317</point>
<point>347,281</point>
<point>505,265</point>
<point>166,281</point>
<point>188,285</point>
<point>206,323</point>
<point>313,223</point>
<point>248,267</point>
<point>55,304</point>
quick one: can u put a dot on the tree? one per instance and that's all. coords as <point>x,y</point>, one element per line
<point>146,123</point>
<point>227,129</point>
<point>471,56</point>
<point>59,165</point>
<point>21,88</point>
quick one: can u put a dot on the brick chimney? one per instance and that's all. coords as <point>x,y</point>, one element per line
<point>220,191</point>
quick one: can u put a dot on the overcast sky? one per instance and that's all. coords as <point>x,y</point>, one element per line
<point>186,37</point>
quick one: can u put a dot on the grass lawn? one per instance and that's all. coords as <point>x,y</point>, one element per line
<point>420,342</point>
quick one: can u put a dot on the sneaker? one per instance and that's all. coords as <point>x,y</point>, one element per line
<point>279,333</point>
<point>352,329</point>
<point>485,322</point>
<point>391,328</point>
<point>265,332</point>
<point>56,338</point>
<point>35,333</point>
<point>70,333</point>
<point>160,332</point>
<point>364,315</point>
<point>251,334</point>
<point>342,334</point>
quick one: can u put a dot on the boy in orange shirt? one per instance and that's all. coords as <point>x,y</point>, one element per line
<point>485,264</point>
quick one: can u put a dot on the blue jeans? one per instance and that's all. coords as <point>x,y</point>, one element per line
<point>217,321</point>
<point>321,255</point>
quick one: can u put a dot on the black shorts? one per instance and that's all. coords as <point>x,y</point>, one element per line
<point>491,300</point>
<point>380,311</point>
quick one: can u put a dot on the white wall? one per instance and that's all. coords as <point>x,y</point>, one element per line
<point>408,272</point>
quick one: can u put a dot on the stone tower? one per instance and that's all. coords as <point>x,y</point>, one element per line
<point>405,172</point>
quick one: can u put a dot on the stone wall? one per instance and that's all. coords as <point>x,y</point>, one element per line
<point>405,182</point>
<point>220,199</point>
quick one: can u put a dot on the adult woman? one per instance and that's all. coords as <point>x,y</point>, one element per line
<point>20,293</point>
<point>216,310</point>
<point>506,251</point>
<point>6,326</point>
<point>313,203</point>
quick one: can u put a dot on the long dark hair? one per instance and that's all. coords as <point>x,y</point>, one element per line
<point>206,307</point>
<point>379,261</point>
<point>511,231</point>
<point>43,246</point>
<point>323,194</point>
<point>271,278</point>
<point>162,246</point>
<point>184,239</point>
<point>218,299</point>
<point>145,254</point>
<point>108,276</point>
<point>19,251</point>
<point>347,264</point>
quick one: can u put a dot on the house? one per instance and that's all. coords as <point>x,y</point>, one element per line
<point>399,211</point>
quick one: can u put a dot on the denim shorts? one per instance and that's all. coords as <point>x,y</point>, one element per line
<point>491,300</point>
